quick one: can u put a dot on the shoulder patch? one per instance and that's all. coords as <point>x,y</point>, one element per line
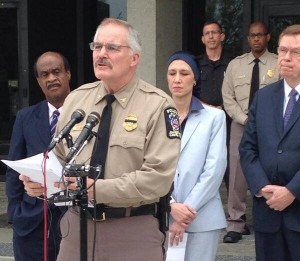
<point>172,123</point>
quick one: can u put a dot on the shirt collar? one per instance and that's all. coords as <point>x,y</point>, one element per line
<point>287,90</point>
<point>123,95</point>
<point>262,59</point>
<point>51,109</point>
<point>196,105</point>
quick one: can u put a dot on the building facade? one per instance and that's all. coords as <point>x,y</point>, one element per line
<point>30,27</point>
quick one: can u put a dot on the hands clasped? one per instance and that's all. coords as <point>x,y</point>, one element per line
<point>183,215</point>
<point>278,197</point>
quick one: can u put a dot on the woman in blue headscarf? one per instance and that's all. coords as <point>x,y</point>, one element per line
<point>196,206</point>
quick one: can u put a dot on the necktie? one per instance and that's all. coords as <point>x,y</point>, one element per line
<point>254,81</point>
<point>101,144</point>
<point>53,122</point>
<point>290,106</point>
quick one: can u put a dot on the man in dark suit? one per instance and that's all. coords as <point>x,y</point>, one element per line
<point>31,136</point>
<point>270,157</point>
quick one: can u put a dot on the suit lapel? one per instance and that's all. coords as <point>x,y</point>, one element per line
<point>294,117</point>
<point>278,99</point>
<point>191,125</point>
<point>42,125</point>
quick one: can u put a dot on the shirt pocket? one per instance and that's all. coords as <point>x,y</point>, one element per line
<point>126,154</point>
<point>242,89</point>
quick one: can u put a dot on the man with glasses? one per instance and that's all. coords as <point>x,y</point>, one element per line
<point>244,75</point>
<point>142,152</point>
<point>213,64</point>
<point>270,153</point>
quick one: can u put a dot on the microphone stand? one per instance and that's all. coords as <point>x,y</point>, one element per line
<point>78,198</point>
<point>81,200</point>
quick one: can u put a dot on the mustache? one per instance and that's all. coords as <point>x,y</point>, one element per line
<point>103,62</point>
<point>53,85</point>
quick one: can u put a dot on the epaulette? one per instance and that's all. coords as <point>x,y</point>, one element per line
<point>87,86</point>
<point>146,87</point>
<point>274,55</point>
<point>241,56</point>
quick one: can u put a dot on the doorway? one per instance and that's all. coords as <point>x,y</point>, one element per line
<point>9,82</point>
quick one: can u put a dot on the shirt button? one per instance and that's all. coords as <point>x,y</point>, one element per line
<point>279,151</point>
<point>125,143</point>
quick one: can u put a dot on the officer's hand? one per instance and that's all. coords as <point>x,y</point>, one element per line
<point>75,184</point>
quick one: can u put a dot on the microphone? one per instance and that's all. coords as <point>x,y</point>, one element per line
<point>77,116</point>
<point>85,135</point>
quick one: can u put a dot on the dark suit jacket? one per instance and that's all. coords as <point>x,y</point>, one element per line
<point>271,155</point>
<point>30,136</point>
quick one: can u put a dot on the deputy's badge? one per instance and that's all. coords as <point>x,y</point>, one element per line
<point>172,123</point>
<point>78,127</point>
<point>130,122</point>
<point>271,73</point>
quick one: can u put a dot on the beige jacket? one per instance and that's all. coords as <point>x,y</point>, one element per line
<point>237,82</point>
<point>142,156</point>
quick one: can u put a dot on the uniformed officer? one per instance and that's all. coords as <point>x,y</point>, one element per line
<point>236,94</point>
<point>142,155</point>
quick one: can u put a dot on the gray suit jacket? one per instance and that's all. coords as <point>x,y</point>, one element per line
<point>201,167</point>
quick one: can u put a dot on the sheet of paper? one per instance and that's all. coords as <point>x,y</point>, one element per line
<point>32,167</point>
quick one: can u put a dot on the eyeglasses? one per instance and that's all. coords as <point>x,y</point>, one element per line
<point>258,35</point>
<point>294,53</point>
<point>211,32</point>
<point>110,47</point>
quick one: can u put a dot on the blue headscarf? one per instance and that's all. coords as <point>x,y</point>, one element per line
<point>189,59</point>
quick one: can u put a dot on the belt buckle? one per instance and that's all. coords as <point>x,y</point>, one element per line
<point>100,219</point>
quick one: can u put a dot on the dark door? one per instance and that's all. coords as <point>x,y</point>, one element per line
<point>9,82</point>
<point>277,14</point>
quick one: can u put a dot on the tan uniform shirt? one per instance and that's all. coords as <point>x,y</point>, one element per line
<point>142,154</point>
<point>237,82</point>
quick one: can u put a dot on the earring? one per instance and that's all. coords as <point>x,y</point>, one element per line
<point>194,84</point>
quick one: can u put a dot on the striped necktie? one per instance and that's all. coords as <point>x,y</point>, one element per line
<point>53,123</point>
<point>290,106</point>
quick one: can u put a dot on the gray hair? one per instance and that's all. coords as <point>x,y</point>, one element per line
<point>132,35</point>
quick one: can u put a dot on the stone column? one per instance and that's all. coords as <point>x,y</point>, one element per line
<point>159,23</point>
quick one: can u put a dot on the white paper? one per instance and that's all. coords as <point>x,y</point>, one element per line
<point>32,167</point>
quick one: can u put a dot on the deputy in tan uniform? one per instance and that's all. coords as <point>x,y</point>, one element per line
<point>236,93</point>
<point>142,154</point>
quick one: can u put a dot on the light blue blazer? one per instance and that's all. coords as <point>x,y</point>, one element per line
<point>201,168</point>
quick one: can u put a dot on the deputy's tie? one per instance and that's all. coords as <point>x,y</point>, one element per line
<point>100,151</point>
<point>290,106</point>
<point>53,122</point>
<point>254,81</point>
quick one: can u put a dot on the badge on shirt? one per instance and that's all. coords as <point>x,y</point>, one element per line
<point>271,73</point>
<point>78,127</point>
<point>130,122</point>
<point>172,123</point>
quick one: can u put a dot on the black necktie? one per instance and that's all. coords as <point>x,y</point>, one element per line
<point>254,81</point>
<point>101,144</point>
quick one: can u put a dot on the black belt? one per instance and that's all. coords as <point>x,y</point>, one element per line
<point>101,214</point>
